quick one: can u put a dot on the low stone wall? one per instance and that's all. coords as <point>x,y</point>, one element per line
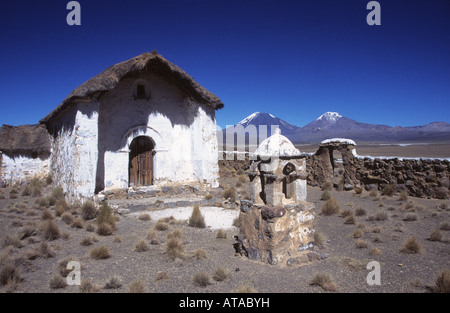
<point>420,177</point>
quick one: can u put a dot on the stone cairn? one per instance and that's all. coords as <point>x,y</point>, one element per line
<point>276,225</point>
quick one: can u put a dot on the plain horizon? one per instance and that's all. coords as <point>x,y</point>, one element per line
<point>293,59</point>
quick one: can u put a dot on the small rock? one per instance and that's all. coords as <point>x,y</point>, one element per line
<point>123,211</point>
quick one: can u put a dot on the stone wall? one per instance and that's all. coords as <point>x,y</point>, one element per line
<point>419,177</point>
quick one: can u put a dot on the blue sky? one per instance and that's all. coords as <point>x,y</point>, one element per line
<point>293,59</point>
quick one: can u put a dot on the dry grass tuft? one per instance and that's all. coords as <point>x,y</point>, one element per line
<point>145,217</point>
<point>88,211</point>
<point>220,274</point>
<point>330,207</point>
<point>201,279</point>
<point>221,234</point>
<point>175,248</point>
<point>161,226</point>
<point>325,195</point>
<point>113,283</point>
<point>199,254</point>
<point>412,246</point>
<point>100,253</point>
<point>197,219</point>
<point>88,287</point>
<point>436,235</point>
<point>50,230</point>
<point>57,282</point>
<point>136,286</point>
<point>442,282</point>
<point>141,246</point>
<point>324,281</point>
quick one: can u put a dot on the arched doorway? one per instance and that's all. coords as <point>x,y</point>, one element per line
<point>141,161</point>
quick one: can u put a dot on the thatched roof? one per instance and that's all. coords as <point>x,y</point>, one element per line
<point>149,62</point>
<point>24,140</point>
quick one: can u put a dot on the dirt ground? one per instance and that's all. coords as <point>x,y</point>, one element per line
<point>386,225</point>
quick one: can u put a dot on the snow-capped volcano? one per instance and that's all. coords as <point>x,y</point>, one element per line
<point>329,116</point>
<point>261,118</point>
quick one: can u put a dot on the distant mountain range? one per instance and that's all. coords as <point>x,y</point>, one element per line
<point>332,125</point>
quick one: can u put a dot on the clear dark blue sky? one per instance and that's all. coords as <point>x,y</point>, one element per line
<point>294,59</point>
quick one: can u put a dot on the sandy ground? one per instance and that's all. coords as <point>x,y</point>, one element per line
<point>346,262</point>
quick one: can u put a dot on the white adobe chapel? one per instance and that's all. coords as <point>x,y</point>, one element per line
<point>143,121</point>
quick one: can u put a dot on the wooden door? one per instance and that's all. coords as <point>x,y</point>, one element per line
<point>141,162</point>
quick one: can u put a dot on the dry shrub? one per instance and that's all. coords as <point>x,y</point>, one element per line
<point>77,223</point>
<point>50,230</point>
<point>46,215</point>
<point>44,250</point>
<point>88,210</point>
<point>9,273</point>
<point>199,254</point>
<point>324,281</point>
<point>246,288</point>
<point>197,219</point>
<point>175,234</point>
<point>230,194</point>
<point>87,241</point>
<point>10,241</point>
<point>410,218</point>
<point>381,215</point>
<point>330,207</point>
<point>361,244</point>
<point>436,235</point>
<point>360,212</point>
<point>411,246</point>
<point>325,195</point>
<point>161,226</point>
<point>88,287</point>
<point>201,279</point>
<point>175,248</point>
<point>100,253</point>
<point>319,238</point>
<point>358,190</point>
<point>57,282</point>
<point>403,196</point>
<point>442,282</point>
<point>220,274</point>
<point>145,217</point>
<point>61,207</point>
<point>113,283</point>
<point>141,246</point>
<point>136,286</point>
<point>328,186</point>
<point>357,233</point>
<point>26,191</point>
<point>221,234</point>
<point>373,193</point>
<point>67,218</point>
<point>375,251</point>
<point>350,220</point>
<point>104,229</point>
<point>445,226</point>
<point>105,217</point>
<point>389,190</point>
